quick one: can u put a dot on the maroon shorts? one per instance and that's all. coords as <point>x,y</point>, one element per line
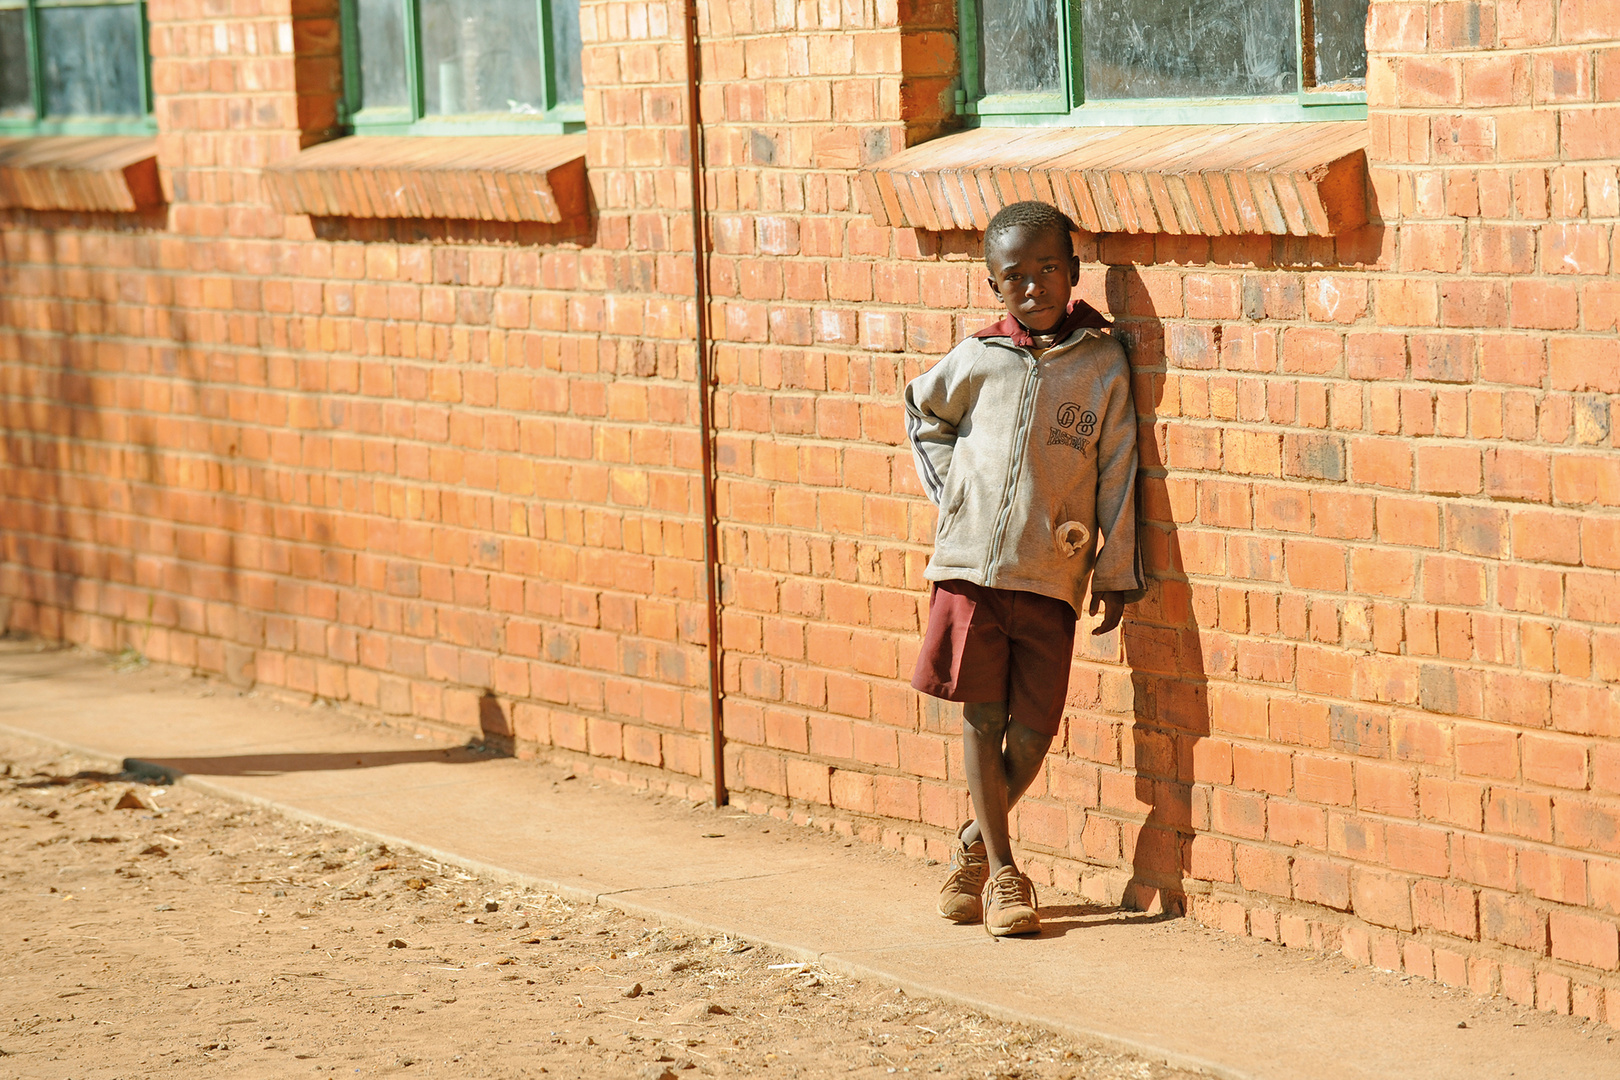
<point>987,644</point>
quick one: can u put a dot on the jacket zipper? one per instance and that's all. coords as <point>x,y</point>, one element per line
<point>1026,409</point>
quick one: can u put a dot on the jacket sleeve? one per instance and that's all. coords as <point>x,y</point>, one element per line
<point>936,402</point>
<point>1118,567</point>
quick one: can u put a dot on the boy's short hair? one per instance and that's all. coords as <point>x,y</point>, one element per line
<point>1037,217</point>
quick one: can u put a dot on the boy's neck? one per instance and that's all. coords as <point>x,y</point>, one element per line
<point>1080,315</point>
<point>1046,340</point>
<point>1049,337</point>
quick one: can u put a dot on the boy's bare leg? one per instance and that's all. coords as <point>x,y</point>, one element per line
<point>1002,758</point>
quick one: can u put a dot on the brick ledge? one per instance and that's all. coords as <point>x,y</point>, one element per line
<point>96,173</point>
<point>1209,180</point>
<point>476,178</point>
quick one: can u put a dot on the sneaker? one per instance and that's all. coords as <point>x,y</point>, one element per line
<point>959,900</point>
<point>1009,904</point>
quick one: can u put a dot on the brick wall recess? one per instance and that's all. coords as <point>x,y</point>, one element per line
<point>445,471</point>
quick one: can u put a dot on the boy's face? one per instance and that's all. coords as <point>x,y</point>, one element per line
<point>1033,273</point>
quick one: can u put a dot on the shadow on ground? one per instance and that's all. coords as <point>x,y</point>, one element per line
<point>278,764</point>
<point>1060,919</point>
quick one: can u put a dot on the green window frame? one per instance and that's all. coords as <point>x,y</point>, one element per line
<point>1069,106</point>
<point>28,69</point>
<point>551,114</point>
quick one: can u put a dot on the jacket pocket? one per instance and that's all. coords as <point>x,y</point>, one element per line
<point>949,508</point>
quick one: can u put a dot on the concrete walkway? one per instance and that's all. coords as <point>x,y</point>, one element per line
<point>1239,1008</point>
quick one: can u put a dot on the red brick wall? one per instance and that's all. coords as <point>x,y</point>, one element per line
<point>447,472</point>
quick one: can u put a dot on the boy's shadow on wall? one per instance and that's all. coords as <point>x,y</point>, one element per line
<point>1160,635</point>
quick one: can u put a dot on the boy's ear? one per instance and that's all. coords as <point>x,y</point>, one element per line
<point>995,286</point>
<point>1074,270</point>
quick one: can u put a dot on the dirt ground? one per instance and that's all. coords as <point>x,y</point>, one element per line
<point>153,931</point>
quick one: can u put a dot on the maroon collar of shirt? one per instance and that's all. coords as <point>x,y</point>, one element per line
<point>1081,316</point>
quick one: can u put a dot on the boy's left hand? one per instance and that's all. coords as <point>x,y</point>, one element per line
<point>1113,608</point>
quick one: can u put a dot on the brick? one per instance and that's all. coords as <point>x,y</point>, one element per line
<point>1583,364</point>
<point>1502,249</point>
<point>1211,859</point>
<point>1261,770</point>
<point>1494,81</point>
<point>1587,1001</point>
<point>1588,134</point>
<point>1299,723</point>
<point>1582,939</point>
<point>1552,876</point>
<point>1408,522</point>
<point>1553,992</point>
<point>1450,470</point>
<point>1557,762</point>
<point>1476,530</point>
<point>1547,537</point>
<point>1544,305</point>
<point>1292,825</point>
<point>1442,357</point>
<point>1447,908</point>
<point>1323,780</point>
<point>1527,137</point>
<point>1575,249</point>
<point>1518,474</point>
<point>1319,881</point>
<point>1397,28</point>
<point>1376,355</point>
<point>1315,565</point>
<point>1382,899</point>
<point>1451,802</point>
<point>1263,870</point>
<point>1433,247</point>
<point>1406,302</point>
<point>1238,815</point>
<point>1522,814</point>
<point>1512,921</point>
<point>1385,789</point>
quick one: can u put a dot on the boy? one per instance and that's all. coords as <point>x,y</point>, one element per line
<point>1025,438</point>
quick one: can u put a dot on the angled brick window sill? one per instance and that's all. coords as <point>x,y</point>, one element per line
<point>98,174</point>
<point>1214,180</point>
<point>472,177</point>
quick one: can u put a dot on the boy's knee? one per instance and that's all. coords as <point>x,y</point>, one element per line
<point>988,718</point>
<point>1026,741</point>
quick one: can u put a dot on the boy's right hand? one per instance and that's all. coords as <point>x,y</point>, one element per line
<point>1113,609</point>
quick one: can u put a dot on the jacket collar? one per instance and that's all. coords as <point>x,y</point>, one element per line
<point>1081,316</point>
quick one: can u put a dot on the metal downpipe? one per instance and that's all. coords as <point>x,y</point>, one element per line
<point>705,381</point>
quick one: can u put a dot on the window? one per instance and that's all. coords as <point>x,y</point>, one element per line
<point>462,67</point>
<point>71,67</point>
<point>1163,61</point>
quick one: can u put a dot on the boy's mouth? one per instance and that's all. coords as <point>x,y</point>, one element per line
<point>1034,317</point>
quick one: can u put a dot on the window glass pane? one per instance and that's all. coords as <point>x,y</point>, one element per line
<point>481,56</point>
<point>91,60</point>
<point>15,98</point>
<point>1189,48</point>
<point>565,51</point>
<point>382,54</point>
<point>1021,47</point>
<point>1341,42</point>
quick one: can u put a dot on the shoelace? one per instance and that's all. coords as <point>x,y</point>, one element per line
<point>1009,889</point>
<point>966,868</point>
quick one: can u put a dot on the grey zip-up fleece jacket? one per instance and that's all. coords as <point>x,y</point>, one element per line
<point>1029,461</point>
